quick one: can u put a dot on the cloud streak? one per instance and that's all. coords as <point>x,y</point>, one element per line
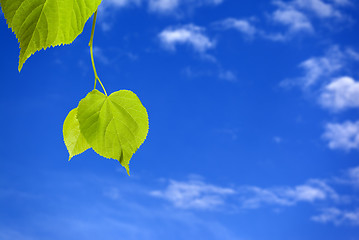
<point>199,195</point>
<point>172,6</point>
<point>242,25</point>
<point>319,69</point>
<point>338,216</point>
<point>194,194</point>
<point>314,190</point>
<point>295,20</point>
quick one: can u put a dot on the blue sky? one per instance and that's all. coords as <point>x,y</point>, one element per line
<point>254,125</point>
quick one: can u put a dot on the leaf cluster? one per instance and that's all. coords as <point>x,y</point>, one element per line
<point>113,126</point>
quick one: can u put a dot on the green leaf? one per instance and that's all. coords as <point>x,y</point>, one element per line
<point>39,24</point>
<point>73,138</point>
<point>115,126</point>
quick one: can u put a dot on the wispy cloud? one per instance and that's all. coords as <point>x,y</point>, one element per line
<point>121,3</point>
<point>326,78</point>
<point>342,93</point>
<point>164,7</point>
<point>172,6</point>
<point>315,8</point>
<point>198,194</point>
<point>338,216</point>
<point>313,190</point>
<point>291,17</point>
<point>108,10</point>
<point>300,16</point>
<point>117,206</point>
<point>242,25</point>
<point>320,8</point>
<point>190,35</point>
<point>318,69</point>
<point>196,38</point>
<point>124,210</point>
<point>194,194</point>
<point>294,18</point>
<point>344,136</point>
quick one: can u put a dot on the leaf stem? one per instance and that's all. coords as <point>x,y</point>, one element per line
<point>91,52</point>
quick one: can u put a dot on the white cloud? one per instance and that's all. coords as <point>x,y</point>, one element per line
<point>321,69</point>
<point>121,3</point>
<point>255,197</point>
<point>170,6</point>
<point>175,8</point>
<point>340,94</point>
<point>130,216</point>
<point>194,194</point>
<point>241,25</point>
<point>197,194</point>
<point>188,34</point>
<point>299,16</point>
<point>294,19</point>
<point>107,11</point>
<point>313,190</point>
<point>343,136</point>
<point>163,6</point>
<point>317,67</point>
<point>306,193</point>
<point>337,216</point>
<point>318,7</point>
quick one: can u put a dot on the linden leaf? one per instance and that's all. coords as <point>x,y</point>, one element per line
<point>39,24</point>
<point>115,126</point>
<point>73,138</point>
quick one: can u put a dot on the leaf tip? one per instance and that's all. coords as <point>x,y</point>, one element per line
<point>128,170</point>
<point>19,67</point>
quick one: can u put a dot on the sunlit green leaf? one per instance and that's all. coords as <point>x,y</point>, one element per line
<point>39,24</point>
<point>114,126</point>
<point>73,138</point>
